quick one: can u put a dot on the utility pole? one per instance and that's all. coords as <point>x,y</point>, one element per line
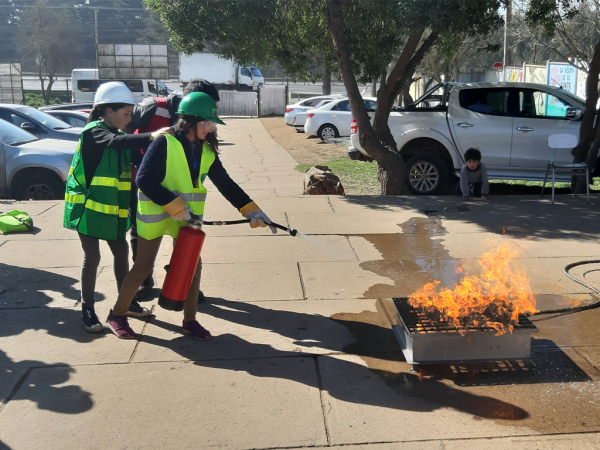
<point>507,20</point>
<point>96,31</point>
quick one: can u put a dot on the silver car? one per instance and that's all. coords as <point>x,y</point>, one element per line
<point>38,123</point>
<point>33,168</point>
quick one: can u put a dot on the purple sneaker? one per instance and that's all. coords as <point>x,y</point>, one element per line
<point>120,326</point>
<point>196,330</point>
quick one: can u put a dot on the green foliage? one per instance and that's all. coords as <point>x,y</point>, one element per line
<point>548,13</point>
<point>294,32</point>
<point>37,100</point>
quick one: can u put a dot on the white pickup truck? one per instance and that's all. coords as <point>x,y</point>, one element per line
<point>508,122</point>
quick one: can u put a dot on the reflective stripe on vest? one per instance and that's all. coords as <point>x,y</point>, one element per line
<point>100,209</point>
<point>152,220</point>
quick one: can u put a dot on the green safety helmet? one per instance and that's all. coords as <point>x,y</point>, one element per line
<point>199,104</point>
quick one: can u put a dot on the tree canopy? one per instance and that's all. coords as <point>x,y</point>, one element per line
<point>382,39</point>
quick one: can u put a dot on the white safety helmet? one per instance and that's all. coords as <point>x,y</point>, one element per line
<point>113,92</point>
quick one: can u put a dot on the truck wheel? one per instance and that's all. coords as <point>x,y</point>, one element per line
<point>328,131</point>
<point>40,186</point>
<point>426,174</point>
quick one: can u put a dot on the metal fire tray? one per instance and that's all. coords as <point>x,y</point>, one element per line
<point>427,340</point>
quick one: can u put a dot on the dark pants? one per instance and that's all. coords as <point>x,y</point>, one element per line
<point>474,189</point>
<point>91,261</point>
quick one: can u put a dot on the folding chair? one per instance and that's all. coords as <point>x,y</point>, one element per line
<point>580,169</point>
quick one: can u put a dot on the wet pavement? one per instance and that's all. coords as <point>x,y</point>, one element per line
<point>303,354</point>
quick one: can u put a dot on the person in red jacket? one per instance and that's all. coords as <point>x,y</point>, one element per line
<point>151,115</point>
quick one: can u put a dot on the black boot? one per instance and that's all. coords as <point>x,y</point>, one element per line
<point>145,288</point>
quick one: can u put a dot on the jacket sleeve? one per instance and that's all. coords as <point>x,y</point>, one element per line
<point>104,138</point>
<point>485,185</point>
<point>464,182</point>
<point>152,173</point>
<point>226,186</point>
<point>143,113</point>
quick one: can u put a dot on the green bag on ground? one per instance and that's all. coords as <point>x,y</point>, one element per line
<point>15,222</point>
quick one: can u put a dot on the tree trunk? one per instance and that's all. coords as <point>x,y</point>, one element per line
<point>326,77</point>
<point>41,77</point>
<point>587,131</point>
<point>391,166</point>
<point>406,97</point>
<point>374,88</point>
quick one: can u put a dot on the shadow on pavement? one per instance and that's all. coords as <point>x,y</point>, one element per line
<point>343,378</point>
<point>37,384</point>
<point>527,216</point>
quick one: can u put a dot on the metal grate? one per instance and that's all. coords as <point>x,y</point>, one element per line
<point>419,321</point>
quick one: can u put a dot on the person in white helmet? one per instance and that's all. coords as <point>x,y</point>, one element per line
<point>98,191</point>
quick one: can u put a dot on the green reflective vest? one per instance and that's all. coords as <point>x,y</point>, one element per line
<point>100,209</point>
<point>152,220</point>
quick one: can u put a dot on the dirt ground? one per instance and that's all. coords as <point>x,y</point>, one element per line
<point>304,149</point>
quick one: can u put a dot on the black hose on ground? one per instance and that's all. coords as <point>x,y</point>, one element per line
<point>566,269</point>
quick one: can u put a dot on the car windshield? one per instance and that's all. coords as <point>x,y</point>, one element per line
<point>12,135</point>
<point>323,103</point>
<point>45,119</point>
<point>579,100</point>
<point>256,72</point>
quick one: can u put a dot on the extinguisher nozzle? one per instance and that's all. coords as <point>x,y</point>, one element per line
<point>293,232</point>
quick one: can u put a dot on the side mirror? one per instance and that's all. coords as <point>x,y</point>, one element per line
<point>29,126</point>
<point>573,113</point>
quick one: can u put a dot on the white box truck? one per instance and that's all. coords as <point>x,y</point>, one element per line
<point>225,74</point>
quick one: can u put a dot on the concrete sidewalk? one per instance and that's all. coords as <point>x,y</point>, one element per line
<point>302,354</point>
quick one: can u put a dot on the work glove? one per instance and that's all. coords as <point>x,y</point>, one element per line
<point>257,217</point>
<point>178,210</point>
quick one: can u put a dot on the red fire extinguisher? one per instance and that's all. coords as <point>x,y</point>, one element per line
<point>182,266</point>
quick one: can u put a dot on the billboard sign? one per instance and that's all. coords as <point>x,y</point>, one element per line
<point>127,61</point>
<point>563,75</point>
<point>513,74</point>
<point>534,74</point>
<point>11,84</point>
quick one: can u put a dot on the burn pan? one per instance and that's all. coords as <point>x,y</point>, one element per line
<point>427,339</point>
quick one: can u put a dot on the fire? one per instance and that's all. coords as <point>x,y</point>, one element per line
<point>495,298</point>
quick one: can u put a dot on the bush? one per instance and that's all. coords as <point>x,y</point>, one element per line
<point>36,100</point>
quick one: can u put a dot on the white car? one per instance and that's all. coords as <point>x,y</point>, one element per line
<point>334,119</point>
<point>33,168</point>
<point>508,122</point>
<point>309,103</point>
<point>300,117</point>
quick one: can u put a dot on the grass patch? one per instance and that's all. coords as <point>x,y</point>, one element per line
<point>595,186</point>
<point>357,177</point>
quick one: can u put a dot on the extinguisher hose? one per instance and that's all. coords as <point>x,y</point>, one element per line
<point>566,269</point>
<point>237,222</point>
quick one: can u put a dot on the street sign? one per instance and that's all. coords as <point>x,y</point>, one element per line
<point>498,66</point>
<point>126,61</point>
<point>11,84</point>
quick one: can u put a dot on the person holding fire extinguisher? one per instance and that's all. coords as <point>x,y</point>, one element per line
<point>151,115</point>
<point>171,188</point>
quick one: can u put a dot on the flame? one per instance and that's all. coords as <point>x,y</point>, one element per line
<point>495,298</point>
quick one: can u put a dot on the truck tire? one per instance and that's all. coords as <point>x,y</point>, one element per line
<point>426,174</point>
<point>328,131</point>
<point>40,186</point>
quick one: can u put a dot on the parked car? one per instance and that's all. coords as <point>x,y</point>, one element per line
<point>38,122</point>
<point>68,107</point>
<point>33,168</point>
<point>73,118</point>
<point>334,119</point>
<point>300,117</point>
<point>309,103</point>
<point>508,122</point>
